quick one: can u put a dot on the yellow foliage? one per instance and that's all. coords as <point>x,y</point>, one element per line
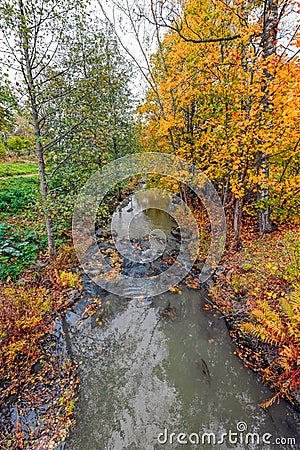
<point>209,104</point>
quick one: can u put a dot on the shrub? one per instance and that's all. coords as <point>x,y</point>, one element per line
<point>24,320</point>
<point>17,145</point>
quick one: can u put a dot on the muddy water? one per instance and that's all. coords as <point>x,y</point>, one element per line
<point>166,365</point>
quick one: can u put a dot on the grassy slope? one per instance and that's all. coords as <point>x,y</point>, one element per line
<point>13,169</point>
<point>22,233</point>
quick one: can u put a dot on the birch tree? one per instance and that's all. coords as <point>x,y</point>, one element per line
<point>31,35</point>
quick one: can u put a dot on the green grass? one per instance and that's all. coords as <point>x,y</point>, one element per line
<point>22,231</point>
<point>13,169</point>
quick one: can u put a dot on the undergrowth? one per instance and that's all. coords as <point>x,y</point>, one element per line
<point>33,370</point>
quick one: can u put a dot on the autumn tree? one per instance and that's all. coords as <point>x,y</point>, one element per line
<point>219,100</point>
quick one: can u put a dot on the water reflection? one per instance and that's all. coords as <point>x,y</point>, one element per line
<point>144,373</point>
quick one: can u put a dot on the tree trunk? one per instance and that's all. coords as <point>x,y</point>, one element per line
<point>237,223</point>
<point>182,191</point>
<point>225,189</point>
<point>264,221</point>
<point>44,190</point>
<point>28,76</point>
<point>269,48</point>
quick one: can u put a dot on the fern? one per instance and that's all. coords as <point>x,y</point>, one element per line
<point>280,329</point>
<point>267,326</point>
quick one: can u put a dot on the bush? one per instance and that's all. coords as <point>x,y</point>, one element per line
<point>279,326</point>
<point>26,315</point>
<point>17,145</point>
<point>24,319</point>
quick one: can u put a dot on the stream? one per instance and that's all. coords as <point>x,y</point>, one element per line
<point>161,372</point>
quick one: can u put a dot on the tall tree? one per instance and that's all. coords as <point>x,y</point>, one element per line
<point>88,112</point>
<point>268,44</point>
<point>32,32</point>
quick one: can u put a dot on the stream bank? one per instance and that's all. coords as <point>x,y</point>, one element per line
<point>38,377</point>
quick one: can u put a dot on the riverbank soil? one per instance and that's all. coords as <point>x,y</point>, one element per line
<point>258,292</point>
